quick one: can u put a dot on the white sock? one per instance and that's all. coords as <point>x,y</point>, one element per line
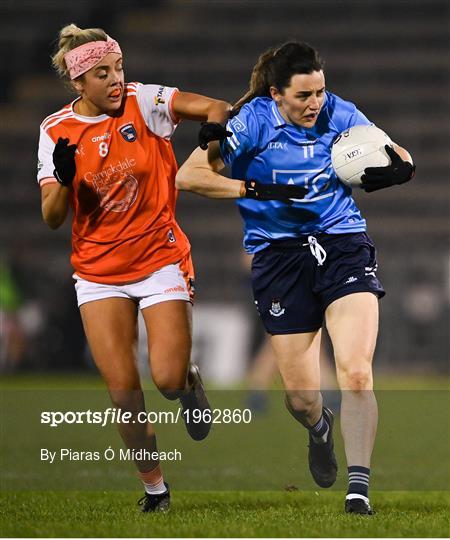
<point>155,489</point>
<point>351,496</point>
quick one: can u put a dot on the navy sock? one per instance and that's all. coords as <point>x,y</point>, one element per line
<point>358,480</point>
<point>319,430</point>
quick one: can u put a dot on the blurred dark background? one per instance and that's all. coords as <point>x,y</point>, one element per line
<point>389,57</point>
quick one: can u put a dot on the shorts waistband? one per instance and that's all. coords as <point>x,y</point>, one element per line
<point>300,242</point>
<point>303,242</point>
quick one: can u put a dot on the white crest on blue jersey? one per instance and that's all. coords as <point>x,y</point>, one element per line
<point>237,125</point>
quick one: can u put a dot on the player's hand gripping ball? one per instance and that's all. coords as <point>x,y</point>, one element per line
<point>356,149</point>
<point>397,172</point>
<point>363,156</point>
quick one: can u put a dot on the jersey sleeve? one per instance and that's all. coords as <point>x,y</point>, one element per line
<point>344,114</point>
<point>155,104</point>
<point>45,165</point>
<point>357,118</point>
<point>244,138</point>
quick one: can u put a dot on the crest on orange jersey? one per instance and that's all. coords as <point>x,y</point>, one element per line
<point>128,132</point>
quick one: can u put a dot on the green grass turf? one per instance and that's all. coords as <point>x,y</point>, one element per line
<point>382,381</point>
<point>410,477</point>
<point>222,514</point>
<point>267,454</point>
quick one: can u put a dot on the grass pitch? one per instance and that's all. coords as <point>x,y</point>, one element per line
<point>233,484</point>
<point>225,514</point>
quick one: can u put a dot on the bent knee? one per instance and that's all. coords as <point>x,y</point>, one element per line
<point>356,379</point>
<point>302,402</point>
<point>170,384</point>
<point>128,400</point>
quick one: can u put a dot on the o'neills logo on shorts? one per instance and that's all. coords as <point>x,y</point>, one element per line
<point>176,289</point>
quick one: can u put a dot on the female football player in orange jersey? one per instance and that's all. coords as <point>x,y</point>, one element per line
<point>108,156</point>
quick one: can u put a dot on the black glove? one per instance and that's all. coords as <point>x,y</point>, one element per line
<point>398,172</point>
<point>64,161</point>
<point>277,192</point>
<point>211,131</point>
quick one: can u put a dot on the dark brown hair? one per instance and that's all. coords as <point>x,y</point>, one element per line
<point>276,66</point>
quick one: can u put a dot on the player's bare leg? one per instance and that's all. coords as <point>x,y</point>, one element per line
<point>352,323</point>
<point>169,333</point>
<point>111,329</point>
<point>298,361</point>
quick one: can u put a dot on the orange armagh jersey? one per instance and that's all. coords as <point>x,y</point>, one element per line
<point>123,195</point>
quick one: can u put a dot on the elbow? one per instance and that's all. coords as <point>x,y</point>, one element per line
<point>227,107</point>
<point>53,224</point>
<point>53,221</point>
<point>182,180</point>
<point>219,111</point>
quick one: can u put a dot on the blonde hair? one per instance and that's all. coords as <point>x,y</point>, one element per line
<point>70,37</point>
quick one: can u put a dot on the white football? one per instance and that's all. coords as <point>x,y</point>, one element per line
<point>357,148</point>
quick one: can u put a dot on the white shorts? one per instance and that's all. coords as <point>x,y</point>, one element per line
<point>165,284</point>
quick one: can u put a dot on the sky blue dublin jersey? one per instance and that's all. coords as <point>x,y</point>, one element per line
<point>265,148</point>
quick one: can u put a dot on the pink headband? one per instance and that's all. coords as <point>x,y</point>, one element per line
<point>85,57</point>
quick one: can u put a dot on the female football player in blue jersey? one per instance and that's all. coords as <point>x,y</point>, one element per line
<point>313,261</point>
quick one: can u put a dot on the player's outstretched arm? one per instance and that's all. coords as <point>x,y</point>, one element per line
<point>200,174</point>
<point>213,114</point>
<point>201,108</point>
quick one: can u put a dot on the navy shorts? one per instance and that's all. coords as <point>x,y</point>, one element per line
<point>294,281</point>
